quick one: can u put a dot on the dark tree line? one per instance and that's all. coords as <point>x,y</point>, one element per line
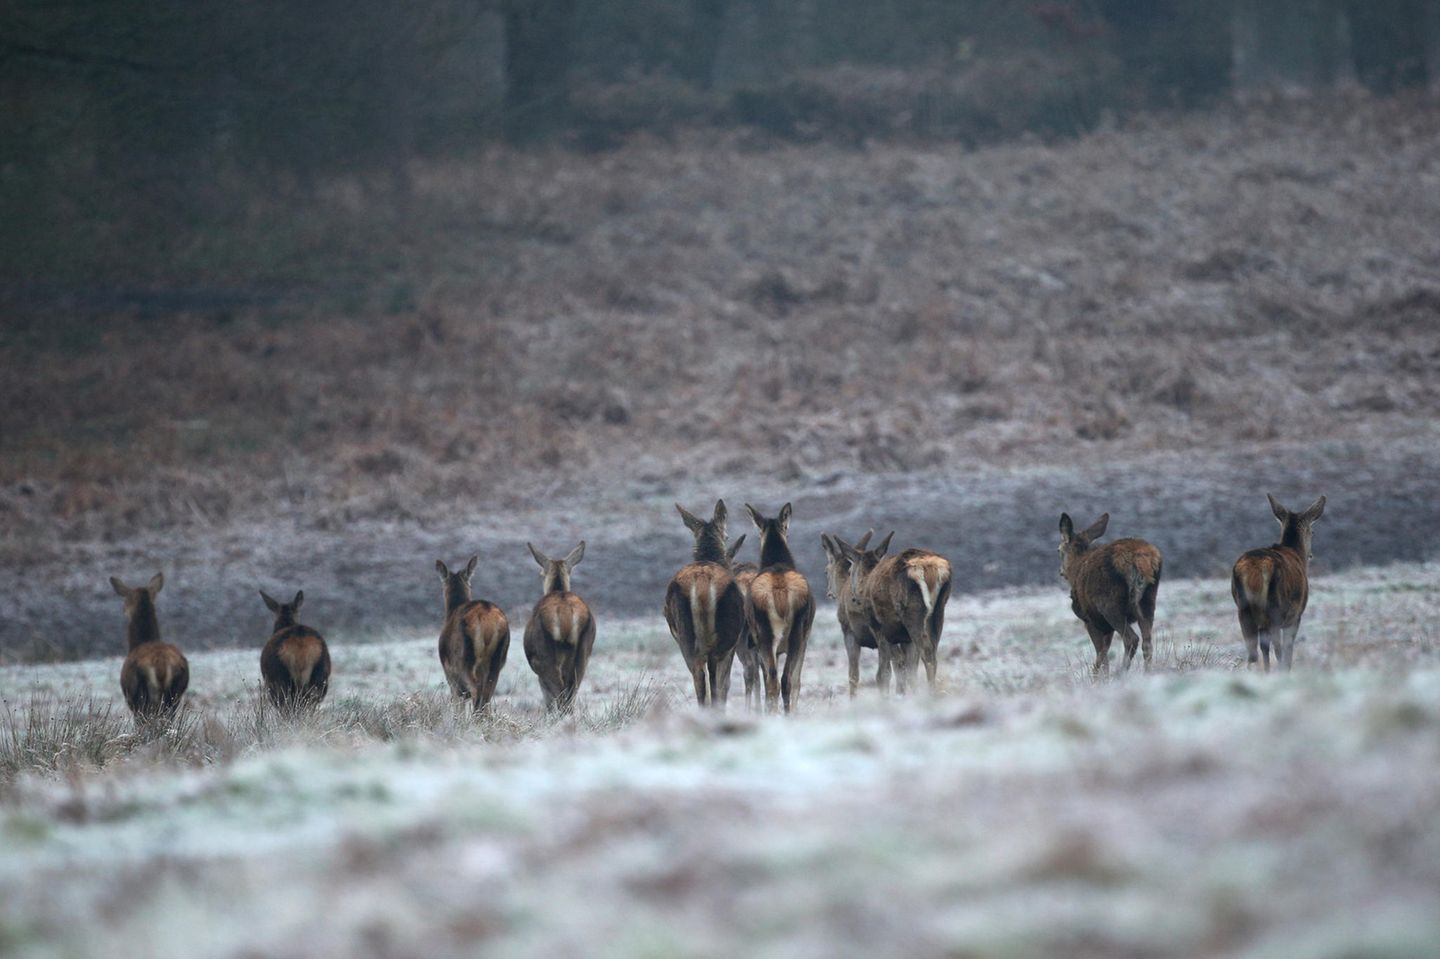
<point>168,97</point>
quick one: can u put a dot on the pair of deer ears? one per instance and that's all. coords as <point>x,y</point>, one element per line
<point>274,606</point>
<point>1096,530</point>
<point>783,518</point>
<point>840,549</point>
<point>1314,512</point>
<point>157,582</point>
<point>570,561</point>
<point>469,570</point>
<point>695,524</point>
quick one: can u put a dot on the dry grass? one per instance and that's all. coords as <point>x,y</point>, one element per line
<point>553,315</point>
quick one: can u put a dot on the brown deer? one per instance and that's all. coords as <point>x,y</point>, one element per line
<point>745,649</point>
<point>1271,586</point>
<point>780,609</point>
<point>474,640</point>
<point>902,598</point>
<point>853,628</point>
<point>155,674</point>
<point>295,663</point>
<point>561,631</point>
<point>1111,586</point>
<point>705,610</point>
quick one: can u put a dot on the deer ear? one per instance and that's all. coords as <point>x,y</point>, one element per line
<point>864,541</point>
<point>470,567</point>
<point>1314,511</point>
<point>1067,527</point>
<point>576,555</point>
<point>120,588</point>
<point>884,546</point>
<point>721,513</point>
<point>784,518</point>
<point>1097,528</point>
<point>442,569</point>
<point>299,598</point>
<point>844,549</point>
<point>755,516</point>
<point>826,545</point>
<point>735,548</point>
<point>1281,513</point>
<point>157,583</point>
<point>540,558</point>
<point>270,603</point>
<point>692,522</point>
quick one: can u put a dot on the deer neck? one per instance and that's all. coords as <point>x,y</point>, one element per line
<point>144,625</point>
<point>455,598</point>
<point>710,548</point>
<point>555,582</point>
<point>775,552</point>
<point>1293,539</point>
<point>283,621</point>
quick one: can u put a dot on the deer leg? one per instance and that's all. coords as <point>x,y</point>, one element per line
<point>697,675</point>
<point>1100,639</point>
<point>1251,637</point>
<point>1132,644</point>
<point>1147,623</point>
<point>852,655</point>
<point>900,664</point>
<point>882,671</point>
<point>1285,648</point>
<point>794,664</point>
<point>750,670</point>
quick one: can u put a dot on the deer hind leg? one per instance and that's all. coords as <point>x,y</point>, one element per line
<point>794,664</point>
<point>750,673</point>
<point>924,651</point>
<point>1147,622</point>
<point>1285,647</point>
<point>1100,639</point>
<point>1132,644</point>
<point>1266,637</point>
<point>883,670</point>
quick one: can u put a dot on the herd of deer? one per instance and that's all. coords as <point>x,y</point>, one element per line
<point>717,609</point>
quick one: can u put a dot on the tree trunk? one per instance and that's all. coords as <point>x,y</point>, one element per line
<point>537,63</point>
<point>1432,45</point>
<point>1290,46</point>
<point>706,33</point>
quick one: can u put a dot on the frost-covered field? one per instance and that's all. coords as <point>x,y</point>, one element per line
<point>1199,810</point>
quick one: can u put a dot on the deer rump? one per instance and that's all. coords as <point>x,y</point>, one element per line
<point>154,677</point>
<point>914,585</point>
<point>1270,587</point>
<point>560,632</point>
<point>295,663</point>
<point>704,610</point>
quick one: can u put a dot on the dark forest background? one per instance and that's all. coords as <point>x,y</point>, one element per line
<point>136,132</point>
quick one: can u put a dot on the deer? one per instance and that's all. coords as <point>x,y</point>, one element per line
<point>155,674</point>
<point>561,631</point>
<point>745,649</point>
<point>474,640</point>
<point>902,600</point>
<point>780,609</point>
<point>295,663</point>
<point>705,610</point>
<point>1111,586</point>
<point>1271,586</point>
<point>855,632</point>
